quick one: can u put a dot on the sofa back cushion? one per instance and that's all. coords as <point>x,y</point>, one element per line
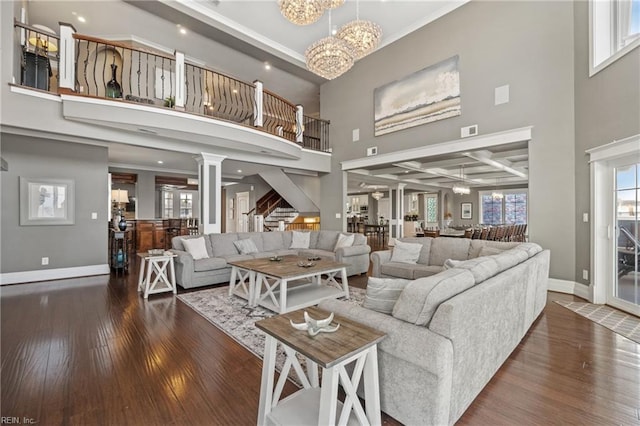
<point>426,247</point>
<point>476,246</point>
<point>383,293</point>
<point>256,237</point>
<point>482,268</point>
<point>420,298</point>
<point>359,240</point>
<point>300,240</point>
<point>444,248</point>
<point>326,240</point>
<point>510,258</point>
<point>222,244</point>
<point>272,241</point>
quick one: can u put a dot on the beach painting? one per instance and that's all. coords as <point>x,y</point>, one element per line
<point>427,95</point>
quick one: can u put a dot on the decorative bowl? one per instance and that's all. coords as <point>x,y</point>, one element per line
<point>156,252</point>
<point>275,258</point>
<point>312,258</point>
<point>304,264</point>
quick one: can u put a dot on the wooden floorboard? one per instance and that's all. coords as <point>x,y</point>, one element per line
<point>100,354</point>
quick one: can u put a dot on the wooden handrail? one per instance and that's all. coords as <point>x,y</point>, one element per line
<point>120,45</point>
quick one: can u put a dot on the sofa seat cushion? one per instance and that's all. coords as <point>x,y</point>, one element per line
<point>382,293</point>
<point>209,264</point>
<point>444,248</point>
<point>421,271</point>
<point>397,269</point>
<point>420,298</point>
<point>237,257</point>
<point>222,244</point>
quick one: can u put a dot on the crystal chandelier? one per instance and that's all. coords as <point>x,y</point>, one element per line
<point>461,188</point>
<point>362,36</point>
<point>377,195</point>
<point>302,12</point>
<point>497,195</point>
<point>329,57</point>
<point>333,4</point>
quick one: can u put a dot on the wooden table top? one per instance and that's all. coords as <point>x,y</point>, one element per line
<point>288,266</point>
<point>326,349</point>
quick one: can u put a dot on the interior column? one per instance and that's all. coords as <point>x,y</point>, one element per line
<point>210,188</point>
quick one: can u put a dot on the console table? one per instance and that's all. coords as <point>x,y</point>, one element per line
<point>315,404</point>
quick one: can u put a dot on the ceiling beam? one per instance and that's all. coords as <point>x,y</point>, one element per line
<point>485,157</point>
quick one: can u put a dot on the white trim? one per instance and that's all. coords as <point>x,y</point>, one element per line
<point>35,93</point>
<point>522,134</point>
<point>53,274</point>
<point>615,149</point>
<point>569,287</point>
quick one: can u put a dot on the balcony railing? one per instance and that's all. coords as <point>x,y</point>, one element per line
<point>90,66</point>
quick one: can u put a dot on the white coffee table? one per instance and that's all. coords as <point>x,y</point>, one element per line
<point>152,276</point>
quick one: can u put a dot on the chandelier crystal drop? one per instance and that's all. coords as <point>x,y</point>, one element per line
<point>362,36</point>
<point>329,57</point>
<point>302,12</point>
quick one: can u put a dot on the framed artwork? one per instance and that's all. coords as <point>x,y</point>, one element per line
<point>427,95</point>
<point>47,201</point>
<point>466,210</point>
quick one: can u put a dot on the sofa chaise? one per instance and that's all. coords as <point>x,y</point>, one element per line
<point>221,248</point>
<point>449,332</point>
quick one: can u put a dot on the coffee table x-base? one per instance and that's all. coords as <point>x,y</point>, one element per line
<point>283,286</point>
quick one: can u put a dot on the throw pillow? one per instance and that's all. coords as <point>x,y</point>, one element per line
<point>196,247</point>
<point>344,241</point>
<point>246,246</point>
<point>382,293</point>
<point>451,263</point>
<point>300,240</point>
<point>406,252</point>
<point>489,251</point>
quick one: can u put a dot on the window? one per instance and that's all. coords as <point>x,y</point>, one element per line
<point>432,209</point>
<point>167,204</point>
<point>510,209</point>
<point>614,30</point>
<point>186,205</point>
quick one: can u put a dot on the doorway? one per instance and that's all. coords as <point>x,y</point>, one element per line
<point>242,212</point>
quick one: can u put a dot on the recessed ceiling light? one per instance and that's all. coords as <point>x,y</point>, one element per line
<point>239,171</point>
<point>81,19</point>
<point>235,90</point>
<point>74,13</point>
<point>267,66</point>
<point>183,30</point>
<point>160,162</point>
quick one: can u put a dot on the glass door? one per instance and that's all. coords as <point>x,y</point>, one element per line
<point>626,289</point>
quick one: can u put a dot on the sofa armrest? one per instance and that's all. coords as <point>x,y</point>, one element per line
<point>378,258</point>
<point>404,340</point>
<point>184,267</point>
<point>352,251</point>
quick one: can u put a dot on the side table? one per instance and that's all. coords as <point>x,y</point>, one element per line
<point>315,404</point>
<point>153,278</point>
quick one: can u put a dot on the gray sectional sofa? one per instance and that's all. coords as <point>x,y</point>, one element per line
<point>221,248</point>
<point>448,333</point>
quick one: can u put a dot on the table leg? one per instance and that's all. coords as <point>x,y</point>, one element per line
<point>372,386</point>
<point>328,396</point>
<point>172,275</point>
<point>232,280</point>
<point>266,386</point>
<point>147,280</point>
<point>283,296</point>
<point>345,282</point>
<point>141,274</point>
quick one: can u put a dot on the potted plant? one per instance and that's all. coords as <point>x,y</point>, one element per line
<point>170,102</point>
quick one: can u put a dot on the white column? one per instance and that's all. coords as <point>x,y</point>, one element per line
<point>257,107</point>
<point>399,210</point>
<point>299,123</point>
<point>210,188</point>
<point>67,69</point>
<point>180,80</point>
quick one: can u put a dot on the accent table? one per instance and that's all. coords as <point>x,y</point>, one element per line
<point>352,342</point>
<point>153,279</point>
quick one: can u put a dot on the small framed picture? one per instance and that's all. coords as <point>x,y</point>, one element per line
<point>47,201</point>
<point>466,210</point>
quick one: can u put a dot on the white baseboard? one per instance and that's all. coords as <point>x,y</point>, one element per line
<point>53,274</point>
<point>569,287</point>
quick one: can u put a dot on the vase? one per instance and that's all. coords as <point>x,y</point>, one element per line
<point>122,224</point>
<point>113,87</point>
<point>120,259</point>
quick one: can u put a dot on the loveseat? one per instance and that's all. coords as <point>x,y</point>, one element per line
<point>448,333</point>
<point>225,247</point>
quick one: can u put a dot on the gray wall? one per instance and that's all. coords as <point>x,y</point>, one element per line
<point>81,244</point>
<point>528,45</point>
<point>607,109</point>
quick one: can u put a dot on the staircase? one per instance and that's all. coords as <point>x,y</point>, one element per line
<point>274,208</point>
<point>286,214</point>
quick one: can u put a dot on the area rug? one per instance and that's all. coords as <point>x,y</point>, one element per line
<point>232,315</point>
<point>615,320</point>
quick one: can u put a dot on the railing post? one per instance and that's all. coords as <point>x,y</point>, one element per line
<point>299,124</point>
<point>180,80</point>
<point>67,66</point>
<point>258,107</point>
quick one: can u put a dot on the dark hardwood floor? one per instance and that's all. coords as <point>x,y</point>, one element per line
<point>92,351</point>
